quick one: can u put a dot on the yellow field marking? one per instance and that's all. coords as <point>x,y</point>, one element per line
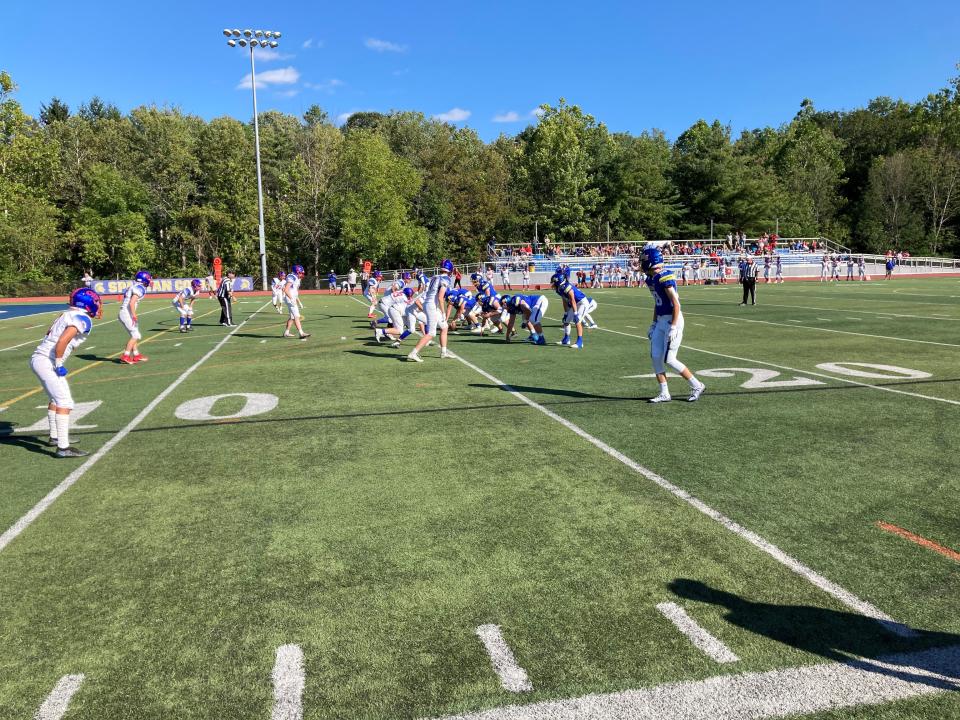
<point>94,364</point>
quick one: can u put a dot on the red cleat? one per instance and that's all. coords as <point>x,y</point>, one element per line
<point>140,358</point>
<point>127,361</point>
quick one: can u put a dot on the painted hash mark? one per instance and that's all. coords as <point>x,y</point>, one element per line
<point>58,701</point>
<point>512,676</point>
<point>701,638</point>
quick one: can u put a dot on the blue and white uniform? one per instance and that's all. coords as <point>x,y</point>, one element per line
<point>431,302</point>
<point>536,305</point>
<point>394,303</point>
<point>663,349</point>
<point>126,316</point>
<point>43,360</point>
<point>485,287</point>
<point>291,291</point>
<point>370,289</point>
<point>585,305</point>
<point>277,287</point>
<point>183,302</point>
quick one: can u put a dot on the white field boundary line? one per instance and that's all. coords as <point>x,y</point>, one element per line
<point>759,695</point>
<point>934,398</point>
<point>831,588</point>
<point>58,701</point>
<point>701,638</point>
<point>14,347</point>
<point>803,327</point>
<point>288,683</point>
<point>23,523</point>
<point>512,676</point>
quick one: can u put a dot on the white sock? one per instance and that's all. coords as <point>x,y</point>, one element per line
<point>52,419</point>
<point>664,390</point>
<point>63,431</point>
<point>694,383</point>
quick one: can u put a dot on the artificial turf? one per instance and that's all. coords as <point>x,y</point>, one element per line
<point>383,509</point>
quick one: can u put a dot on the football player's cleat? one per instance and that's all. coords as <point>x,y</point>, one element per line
<point>378,334</point>
<point>661,398</point>
<point>444,354</point>
<point>565,340</point>
<point>696,392</point>
<point>140,358</point>
<point>413,357</point>
<point>127,361</point>
<point>71,452</point>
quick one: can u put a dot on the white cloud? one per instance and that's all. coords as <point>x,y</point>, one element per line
<point>507,117</point>
<point>307,44</point>
<point>453,115</point>
<point>537,112</point>
<point>280,76</point>
<point>288,93</point>
<point>384,46</point>
<point>328,86</point>
<point>269,55</point>
<point>343,117</point>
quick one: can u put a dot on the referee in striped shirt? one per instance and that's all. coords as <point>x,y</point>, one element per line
<point>225,296</point>
<point>748,278</point>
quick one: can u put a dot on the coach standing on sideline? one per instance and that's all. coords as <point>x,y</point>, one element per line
<point>748,278</point>
<point>225,296</point>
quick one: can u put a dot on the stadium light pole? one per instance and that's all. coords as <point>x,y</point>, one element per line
<point>254,39</point>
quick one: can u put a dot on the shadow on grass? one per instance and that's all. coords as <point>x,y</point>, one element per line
<point>33,443</point>
<point>836,635</point>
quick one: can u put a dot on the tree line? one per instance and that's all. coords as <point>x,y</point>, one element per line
<point>161,189</point>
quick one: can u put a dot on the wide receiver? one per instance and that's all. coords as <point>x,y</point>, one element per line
<point>128,316</point>
<point>291,296</point>
<point>183,304</point>
<point>666,330</point>
<point>47,363</point>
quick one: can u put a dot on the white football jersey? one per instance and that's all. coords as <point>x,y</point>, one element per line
<point>135,289</point>
<point>433,289</point>
<point>293,282</point>
<point>71,318</point>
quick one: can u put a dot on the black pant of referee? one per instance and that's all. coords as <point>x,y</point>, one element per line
<point>749,287</point>
<point>226,316</point>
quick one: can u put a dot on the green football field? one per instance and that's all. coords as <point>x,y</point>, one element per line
<point>344,534</point>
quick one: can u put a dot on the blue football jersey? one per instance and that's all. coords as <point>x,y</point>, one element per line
<point>658,284</point>
<point>565,286</point>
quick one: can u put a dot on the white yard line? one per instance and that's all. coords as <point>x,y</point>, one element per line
<point>827,330</point>
<point>34,327</point>
<point>701,639</point>
<point>848,381</point>
<point>23,523</point>
<point>829,587</point>
<point>758,695</point>
<point>288,683</point>
<point>14,347</point>
<point>512,676</point>
<point>58,701</point>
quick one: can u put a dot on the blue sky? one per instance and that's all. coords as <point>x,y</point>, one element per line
<point>633,65</point>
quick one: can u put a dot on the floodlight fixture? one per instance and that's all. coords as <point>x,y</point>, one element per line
<point>236,33</point>
<point>276,34</point>
<point>228,33</point>
<point>232,42</point>
<point>243,43</point>
<point>258,33</point>
<point>268,34</point>
<point>273,43</point>
<point>248,33</point>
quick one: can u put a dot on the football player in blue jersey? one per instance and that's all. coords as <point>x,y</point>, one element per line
<point>483,285</point>
<point>532,308</point>
<point>183,304</point>
<point>47,362</point>
<point>576,307</point>
<point>666,330</point>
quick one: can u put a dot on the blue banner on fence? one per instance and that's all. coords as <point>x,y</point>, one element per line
<point>167,285</point>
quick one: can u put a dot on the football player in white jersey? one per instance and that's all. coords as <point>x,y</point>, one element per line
<point>291,296</point>
<point>183,304</point>
<point>277,286</point>
<point>370,288</point>
<point>128,317</point>
<point>435,308</point>
<point>47,363</point>
<point>393,304</point>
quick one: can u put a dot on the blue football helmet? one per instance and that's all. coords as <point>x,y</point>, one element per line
<point>476,278</point>
<point>299,271</point>
<point>377,274</point>
<point>87,300</point>
<point>650,257</point>
<point>144,278</point>
<point>506,300</point>
<point>196,285</point>
<point>408,292</point>
<point>447,265</point>
<point>405,276</point>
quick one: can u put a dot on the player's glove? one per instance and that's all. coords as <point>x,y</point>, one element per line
<point>59,369</point>
<point>674,332</point>
<point>652,329</point>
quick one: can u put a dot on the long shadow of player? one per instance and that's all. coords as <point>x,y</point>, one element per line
<point>29,442</point>
<point>844,637</point>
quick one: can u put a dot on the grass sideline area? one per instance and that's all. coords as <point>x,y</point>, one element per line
<point>376,512</point>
